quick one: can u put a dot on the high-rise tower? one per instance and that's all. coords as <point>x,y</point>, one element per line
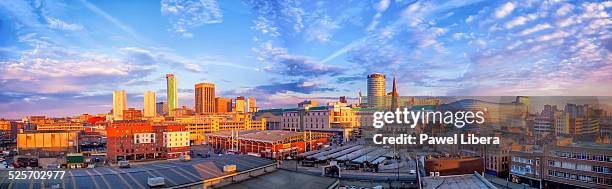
<point>149,104</point>
<point>376,90</point>
<point>239,104</point>
<point>251,105</point>
<point>172,93</point>
<point>119,103</point>
<point>204,98</point>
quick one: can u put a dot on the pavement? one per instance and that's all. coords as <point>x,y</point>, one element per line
<point>285,179</point>
<point>176,173</point>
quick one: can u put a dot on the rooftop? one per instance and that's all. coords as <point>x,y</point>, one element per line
<point>176,173</point>
<point>260,136</point>
<point>285,179</point>
<point>457,181</point>
<point>590,145</point>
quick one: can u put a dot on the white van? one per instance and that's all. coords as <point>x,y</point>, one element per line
<point>124,164</point>
<point>156,181</point>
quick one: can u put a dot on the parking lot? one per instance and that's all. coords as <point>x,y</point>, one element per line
<point>176,173</point>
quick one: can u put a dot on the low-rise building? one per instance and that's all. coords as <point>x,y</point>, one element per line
<point>175,139</point>
<point>276,144</point>
<point>47,143</point>
<point>141,140</point>
<point>63,125</point>
<point>132,114</point>
<point>526,165</point>
<point>337,119</point>
<point>584,165</point>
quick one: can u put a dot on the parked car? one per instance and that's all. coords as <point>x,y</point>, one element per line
<point>156,181</point>
<point>53,166</point>
<point>124,164</point>
<point>185,157</point>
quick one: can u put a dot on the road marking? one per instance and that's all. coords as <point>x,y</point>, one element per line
<point>192,174</point>
<point>120,177</point>
<point>2,181</point>
<point>184,176</point>
<point>11,184</point>
<point>202,167</point>
<point>94,179</point>
<point>63,183</point>
<point>162,166</point>
<point>73,180</point>
<point>103,179</point>
<point>131,177</point>
<point>31,185</point>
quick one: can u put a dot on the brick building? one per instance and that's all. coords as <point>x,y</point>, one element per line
<point>141,141</point>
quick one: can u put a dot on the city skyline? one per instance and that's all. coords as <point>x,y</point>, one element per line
<point>61,59</point>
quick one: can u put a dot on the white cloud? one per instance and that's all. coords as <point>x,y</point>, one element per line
<point>279,61</point>
<point>551,36</point>
<point>56,70</point>
<point>504,10</point>
<point>564,10</point>
<point>266,27</point>
<point>158,57</point>
<point>518,21</point>
<point>321,30</point>
<point>283,16</point>
<point>380,7</point>
<point>55,23</point>
<point>534,29</point>
<point>469,19</point>
<point>521,20</point>
<point>185,15</point>
<point>562,23</point>
<point>460,36</point>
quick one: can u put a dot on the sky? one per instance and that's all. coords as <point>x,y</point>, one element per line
<point>61,58</point>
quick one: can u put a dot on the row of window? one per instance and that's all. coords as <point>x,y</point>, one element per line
<point>583,156</point>
<point>581,167</point>
<point>305,119</point>
<point>523,170</point>
<point>308,113</point>
<point>138,150</point>
<point>579,177</point>
<point>524,160</point>
<point>316,126</point>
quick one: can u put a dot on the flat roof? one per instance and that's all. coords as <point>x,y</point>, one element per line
<point>260,136</point>
<point>474,181</point>
<point>594,145</point>
<point>176,173</point>
<point>285,179</point>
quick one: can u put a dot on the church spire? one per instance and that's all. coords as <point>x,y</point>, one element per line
<point>394,96</point>
<point>394,91</point>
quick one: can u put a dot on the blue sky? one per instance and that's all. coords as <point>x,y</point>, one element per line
<point>63,58</point>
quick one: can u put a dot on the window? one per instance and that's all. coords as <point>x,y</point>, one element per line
<point>597,157</point>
